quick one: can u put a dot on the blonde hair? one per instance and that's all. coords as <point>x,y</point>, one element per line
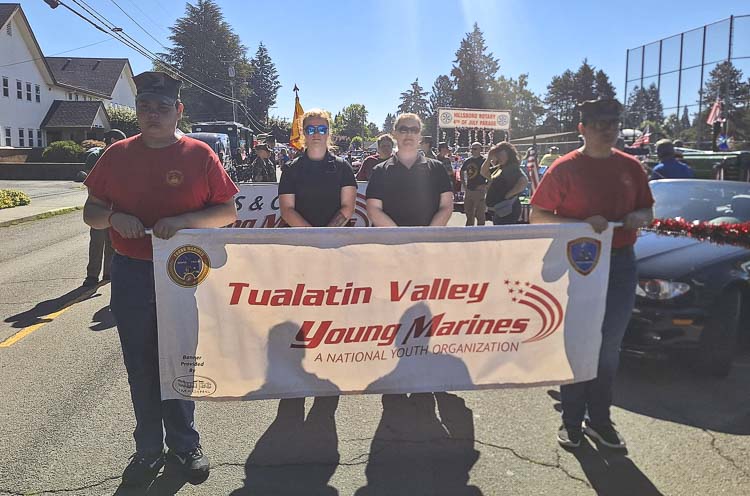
<point>408,115</point>
<point>385,137</point>
<point>322,114</point>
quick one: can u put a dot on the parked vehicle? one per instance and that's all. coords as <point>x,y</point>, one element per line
<point>240,137</point>
<point>221,145</point>
<point>693,297</point>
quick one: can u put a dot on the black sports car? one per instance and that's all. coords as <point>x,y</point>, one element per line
<point>693,296</point>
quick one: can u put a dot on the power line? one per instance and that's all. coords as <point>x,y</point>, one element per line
<point>137,24</point>
<point>58,53</point>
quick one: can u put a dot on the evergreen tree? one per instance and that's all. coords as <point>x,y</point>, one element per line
<point>388,123</point>
<point>644,104</point>
<point>413,100</point>
<point>351,121</point>
<point>473,71</point>
<point>725,82</point>
<point>203,47</point>
<point>372,130</point>
<point>604,88</point>
<point>440,97</point>
<point>584,82</point>
<point>685,119</point>
<point>264,83</point>
<point>515,95</point>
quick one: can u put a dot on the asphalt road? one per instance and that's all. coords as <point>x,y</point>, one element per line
<point>66,419</point>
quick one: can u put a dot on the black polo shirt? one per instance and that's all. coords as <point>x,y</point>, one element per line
<point>410,196</point>
<point>316,186</point>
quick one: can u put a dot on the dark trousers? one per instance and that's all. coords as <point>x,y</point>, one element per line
<point>134,308</point>
<point>100,250</point>
<point>595,396</point>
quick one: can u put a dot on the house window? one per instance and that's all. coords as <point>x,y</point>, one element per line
<point>19,89</point>
<point>39,138</point>
<point>38,91</point>
<point>70,96</point>
<point>31,138</point>
<point>28,91</point>
<point>6,90</point>
<point>7,137</point>
<point>21,141</point>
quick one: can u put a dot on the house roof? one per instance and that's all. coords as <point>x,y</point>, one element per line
<point>6,10</point>
<point>97,75</point>
<point>64,113</point>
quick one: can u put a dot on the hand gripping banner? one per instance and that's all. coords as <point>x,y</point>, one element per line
<point>279,313</point>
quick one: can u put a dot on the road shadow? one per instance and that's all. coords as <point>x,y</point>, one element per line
<point>672,390</point>
<point>168,483</point>
<point>296,455</point>
<point>103,319</point>
<point>36,315</point>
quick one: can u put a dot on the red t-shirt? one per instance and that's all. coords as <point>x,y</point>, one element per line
<point>154,183</point>
<point>578,186</point>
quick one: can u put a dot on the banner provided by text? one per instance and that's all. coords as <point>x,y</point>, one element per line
<point>498,120</point>
<point>278,313</point>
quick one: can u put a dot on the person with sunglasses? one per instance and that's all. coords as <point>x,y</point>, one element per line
<point>598,184</point>
<point>409,189</point>
<point>317,189</point>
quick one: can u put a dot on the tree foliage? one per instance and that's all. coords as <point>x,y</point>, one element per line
<point>264,84</point>
<point>414,100</point>
<point>644,104</point>
<point>473,71</point>
<point>351,121</point>
<point>514,94</point>
<point>725,82</point>
<point>124,119</point>
<point>388,123</point>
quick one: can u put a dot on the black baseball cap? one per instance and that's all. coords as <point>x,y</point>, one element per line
<point>157,85</point>
<point>605,109</point>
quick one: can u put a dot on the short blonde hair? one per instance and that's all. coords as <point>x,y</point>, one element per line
<point>322,114</point>
<point>385,137</point>
<point>405,116</point>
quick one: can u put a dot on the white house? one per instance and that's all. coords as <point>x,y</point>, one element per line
<point>45,99</point>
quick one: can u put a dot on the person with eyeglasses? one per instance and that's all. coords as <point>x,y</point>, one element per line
<point>317,189</point>
<point>598,184</point>
<point>409,189</point>
<point>475,187</point>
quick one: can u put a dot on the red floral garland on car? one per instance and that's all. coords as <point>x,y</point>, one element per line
<point>725,234</point>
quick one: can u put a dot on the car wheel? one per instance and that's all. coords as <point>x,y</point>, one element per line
<point>719,338</point>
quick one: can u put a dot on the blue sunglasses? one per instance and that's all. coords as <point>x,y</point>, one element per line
<point>321,129</point>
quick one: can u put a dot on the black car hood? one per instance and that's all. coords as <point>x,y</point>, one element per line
<point>671,257</point>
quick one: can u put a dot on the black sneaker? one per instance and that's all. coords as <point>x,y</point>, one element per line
<point>193,464</point>
<point>605,435</point>
<point>569,437</point>
<point>90,281</point>
<point>142,470</point>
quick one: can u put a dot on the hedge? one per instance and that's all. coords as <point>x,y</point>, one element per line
<point>63,152</point>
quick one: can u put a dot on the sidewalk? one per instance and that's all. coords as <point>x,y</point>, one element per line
<point>47,198</point>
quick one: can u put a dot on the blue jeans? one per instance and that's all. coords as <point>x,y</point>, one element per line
<point>134,308</point>
<point>595,396</point>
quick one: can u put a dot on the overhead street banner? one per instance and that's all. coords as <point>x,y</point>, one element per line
<point>474,118</point>
<point>278,313</point>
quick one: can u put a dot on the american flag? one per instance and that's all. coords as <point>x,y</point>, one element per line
<point>643,139</point>
<point>715,114</point>
<point>532,167</point>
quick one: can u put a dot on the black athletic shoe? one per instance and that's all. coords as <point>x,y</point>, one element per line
<point>605,435</point>
<point>569,437</point>
<point>142,470</point>
<point>193,464</point>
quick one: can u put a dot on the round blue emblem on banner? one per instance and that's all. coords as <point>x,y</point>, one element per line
<point>188,266</point>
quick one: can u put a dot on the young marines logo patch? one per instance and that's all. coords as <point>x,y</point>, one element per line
<point>188,266</point>
<point>583,254</point>
<point>175,177</point>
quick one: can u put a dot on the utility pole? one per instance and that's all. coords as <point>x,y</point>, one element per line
<point>232,74</point>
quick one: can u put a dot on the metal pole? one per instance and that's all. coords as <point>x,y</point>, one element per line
<point>679,74</point>
<point>731,36</point>
<point>658,79</point>
<point>627,65</point>
<point>700,91</point>
<point>234,110</point>
<point>643,63</point>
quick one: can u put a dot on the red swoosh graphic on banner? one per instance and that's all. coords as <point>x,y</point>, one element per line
<point>557,305</point>
<point>541,314</point>
<point>553,316</point>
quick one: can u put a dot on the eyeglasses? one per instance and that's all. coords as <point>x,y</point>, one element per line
<point>321,129</point>
<point>408,129</point>
<point>603,125</point>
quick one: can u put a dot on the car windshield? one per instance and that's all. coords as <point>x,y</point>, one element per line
<point>703,200</point>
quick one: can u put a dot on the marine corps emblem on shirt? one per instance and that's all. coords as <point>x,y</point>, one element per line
<point>175,178</point>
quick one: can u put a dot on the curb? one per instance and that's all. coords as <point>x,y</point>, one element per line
<point>41,215</point>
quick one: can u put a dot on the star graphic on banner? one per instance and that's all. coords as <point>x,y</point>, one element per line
<point>511,291</point>
<point>528,284</point>
<point>519,292</point>
<point>514,300</point>
<point>518,283</point>
<point>507,281</point>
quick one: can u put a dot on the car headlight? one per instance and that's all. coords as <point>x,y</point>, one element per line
<point>657,289</point>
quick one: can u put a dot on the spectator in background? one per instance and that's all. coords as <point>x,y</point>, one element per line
<point>475,186</point>
<point>426,145</point>
<point>443,155</point>
<point>507,181</point>
<point>385,150</point>
<point>100,246</point>
<point>549,157</point>
<point>262,170</point>
<point>669,167</point>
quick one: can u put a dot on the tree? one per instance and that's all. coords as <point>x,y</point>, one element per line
<point>124,119</point>
<point>204,46</point>
<point>685,119</point>
<point>351,121</point>
<point>725,82</point>
<point>264,83</point>
<point>281,128</point>
<point>441,96</point>
<point>413,100</point>
<point>584,81</point>
<point>644,104</point>
<point>604,88</point>
<point>473,71</point>
<point>372,130</point>
<point>515,95</point>
<point>356,142</point>
<point>388,123</point>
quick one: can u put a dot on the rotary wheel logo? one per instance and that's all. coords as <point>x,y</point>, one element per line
<point>503,120</point>
<point>542,302</point>
<point>446,118</point>
<point>188,266</point>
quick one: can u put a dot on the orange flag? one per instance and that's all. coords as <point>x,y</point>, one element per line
<point>295,140</point>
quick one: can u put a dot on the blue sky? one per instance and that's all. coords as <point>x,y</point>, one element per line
<point>341,52</point>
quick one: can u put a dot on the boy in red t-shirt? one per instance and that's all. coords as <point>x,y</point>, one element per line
<point>165,181</point>
<point>598,184</point>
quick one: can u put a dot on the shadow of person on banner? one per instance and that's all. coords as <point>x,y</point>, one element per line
<point>296,455</point>
<point>413,451</point>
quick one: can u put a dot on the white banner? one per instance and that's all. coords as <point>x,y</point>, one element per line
<point>258,206</point>
<point>474,118</point>
<point>275,313</point>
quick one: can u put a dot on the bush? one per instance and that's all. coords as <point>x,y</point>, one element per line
<point>13,198</point>
<point>124,119</point>
<point>63,151</point>
<point>92,143</point>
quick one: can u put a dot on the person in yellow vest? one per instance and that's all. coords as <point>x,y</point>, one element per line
<point>549,157</point>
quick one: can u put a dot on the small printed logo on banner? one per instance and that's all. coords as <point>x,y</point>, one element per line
<point>188,266</point>
<point>583,254</point>
<point>194,386</point>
